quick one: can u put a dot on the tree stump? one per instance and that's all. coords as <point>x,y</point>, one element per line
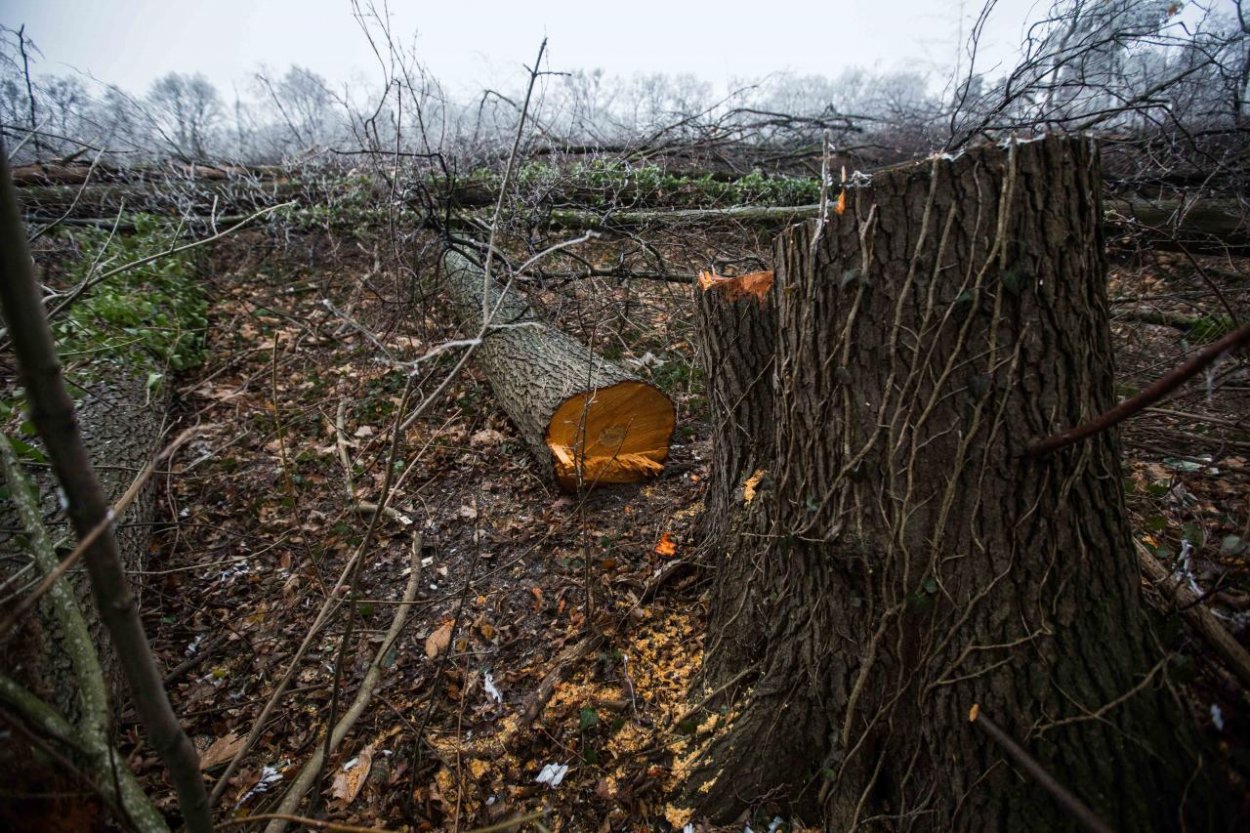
<point>910,561</point>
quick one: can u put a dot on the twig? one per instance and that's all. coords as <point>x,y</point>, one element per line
<point>1191,607</point>
<point>309,774</point>
<point>1152,394</point>
<point>52,411</point>
<point>353,592</point>
<point>1069,802</point>
<point>134,264</point>
<point>339,827</point>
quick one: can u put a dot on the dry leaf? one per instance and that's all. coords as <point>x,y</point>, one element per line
<point>349,780</point>
<point>752,485</point>
<point>221,752</point>
<point>468,513</point>
<point>438,641</point>
<point>487,437</point>
<point>364,431</point>
<point>667,546</point>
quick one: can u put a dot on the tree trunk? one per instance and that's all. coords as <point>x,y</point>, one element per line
<point>736,323</point>
<point>912,562</point>
<point>1212,225</point>
<point>586,420</point>
<point>121,421</point>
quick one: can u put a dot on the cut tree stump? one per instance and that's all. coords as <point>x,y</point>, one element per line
<point>586,420</point>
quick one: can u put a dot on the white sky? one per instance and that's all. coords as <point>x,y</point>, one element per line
<point>470,45</point>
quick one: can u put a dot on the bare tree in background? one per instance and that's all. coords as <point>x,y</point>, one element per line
<point>185,110</point>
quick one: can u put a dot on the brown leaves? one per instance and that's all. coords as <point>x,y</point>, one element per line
<point>349,780</point>
<point>222,751</point>
<point>438,641</point>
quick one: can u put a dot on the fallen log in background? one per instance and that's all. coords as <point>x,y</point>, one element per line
<point>1215,226</point>
<point>586,420</point>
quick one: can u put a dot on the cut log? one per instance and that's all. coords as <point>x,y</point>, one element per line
<point>1214,225</point>
<point>586,420</point>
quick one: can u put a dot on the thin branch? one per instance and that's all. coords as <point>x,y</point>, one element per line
<point>52,411</point>
<point>336,733</point>
<point>1152,394</point>
<point>1069,802</point>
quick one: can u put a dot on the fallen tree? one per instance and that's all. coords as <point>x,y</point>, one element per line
<point>586,420</point>
<point>1194,225</point>
<point>898,569</point>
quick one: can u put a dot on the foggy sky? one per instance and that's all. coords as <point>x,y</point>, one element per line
<point>471,45</point>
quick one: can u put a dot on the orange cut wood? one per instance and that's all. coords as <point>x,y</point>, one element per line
<point>587,420</point>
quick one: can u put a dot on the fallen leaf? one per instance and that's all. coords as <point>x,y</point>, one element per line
<point>751,486</point>
<point>486,438</point>
<point>468,513</point>
<point>221,752</point>
<point>438,641</point>
<point>364,431</point>
<point>667,546</point>
<point>349,780</point>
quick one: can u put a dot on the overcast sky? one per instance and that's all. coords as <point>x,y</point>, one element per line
<point>471,44</point>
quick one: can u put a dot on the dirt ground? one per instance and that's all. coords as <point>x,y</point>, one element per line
<point>597,600</point>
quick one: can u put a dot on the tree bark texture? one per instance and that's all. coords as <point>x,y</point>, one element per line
<point>121,423</point>
<point>913,561</point>
<point>52,412</point>
<point>586,420</point>
<point>736,332</point>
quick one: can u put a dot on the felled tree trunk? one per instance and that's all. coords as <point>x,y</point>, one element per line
<point>586,420</point>
<point>1205,225</point>
<point>912,562</point>
<point>120,420</point>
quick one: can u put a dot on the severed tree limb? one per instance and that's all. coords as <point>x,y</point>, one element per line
<point>1197,614</point>
<point>1152,394</point>
<point>308,775</point>
<point>52,412</point>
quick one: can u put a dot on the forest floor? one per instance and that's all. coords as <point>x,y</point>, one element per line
<point>521,586</point>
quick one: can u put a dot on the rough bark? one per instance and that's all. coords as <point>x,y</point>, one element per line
<point>736,332</point>
<point>121,423</point>
<point>915,561</point>
<point>586,420</point>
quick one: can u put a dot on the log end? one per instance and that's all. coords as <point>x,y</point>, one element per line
<point>617,434</point>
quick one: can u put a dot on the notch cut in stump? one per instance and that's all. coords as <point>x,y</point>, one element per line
<point>586,420</point>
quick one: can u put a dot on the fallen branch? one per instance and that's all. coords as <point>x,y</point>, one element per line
<point>1197,614</point>
<point>1152,394</point>
<point>308,775</point>
<point>563,664</point>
